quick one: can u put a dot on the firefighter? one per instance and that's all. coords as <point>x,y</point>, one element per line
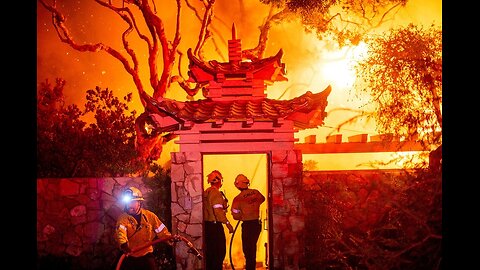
<point>136,227</point>
<point>215,205</point>
<point>246,207</point>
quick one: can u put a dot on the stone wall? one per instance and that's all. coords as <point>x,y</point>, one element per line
<point>287,210</point>
<point>187,208</point>
<point>314,215</point>
<point>76,219</point>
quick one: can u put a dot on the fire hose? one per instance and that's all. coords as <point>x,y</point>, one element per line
<point>231,242</point>
<point>176,238</point>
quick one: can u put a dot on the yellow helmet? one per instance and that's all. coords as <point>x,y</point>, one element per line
<point>214,177</point>
<point>132,194</point>
<point>241,181</point>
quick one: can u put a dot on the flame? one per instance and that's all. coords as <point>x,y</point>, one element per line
<point>339,70</point>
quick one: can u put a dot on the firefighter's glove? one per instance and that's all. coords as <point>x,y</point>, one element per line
<point>125,248</point>
<point>176,238</point>
<point>169,240</point>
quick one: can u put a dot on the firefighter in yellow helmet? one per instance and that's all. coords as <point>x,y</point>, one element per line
<point>246,207</point>
<point>136,227</point>
<point>215,205</point>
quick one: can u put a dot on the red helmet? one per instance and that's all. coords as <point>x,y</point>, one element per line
<point>214,177</point>
<point>241,181</point>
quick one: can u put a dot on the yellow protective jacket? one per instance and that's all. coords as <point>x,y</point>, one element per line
<point>246,205</point>
<point>214,205</point>
<point>137,235</point>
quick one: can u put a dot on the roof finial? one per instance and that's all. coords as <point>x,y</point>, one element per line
<point>234,32</point>
<point>234,47</point>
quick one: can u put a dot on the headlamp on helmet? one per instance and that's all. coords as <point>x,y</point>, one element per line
<point>132,194</point>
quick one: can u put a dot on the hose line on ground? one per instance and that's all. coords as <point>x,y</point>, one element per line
<point>231,242</point>
<point>176,238</point>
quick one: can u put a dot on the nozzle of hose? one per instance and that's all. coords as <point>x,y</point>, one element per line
<point>193,250</point>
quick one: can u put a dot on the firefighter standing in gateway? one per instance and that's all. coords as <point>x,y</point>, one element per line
<point>135,228</point>
<point>214,214</point>
<point>246,207</point>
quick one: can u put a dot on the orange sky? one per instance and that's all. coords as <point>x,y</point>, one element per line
<point>310,65</point>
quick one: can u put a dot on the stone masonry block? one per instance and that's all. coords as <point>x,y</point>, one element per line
<point>279,170</point>
<point>177,173</point>
<point>292,157</point>
<point>193,156</point>
<point>197,213</point>
<point>178,157</point>
<point>69,188</point>
<point>193,184</point>
<point>297,222</point>
<point>192,167</point>
<point>279,156</point>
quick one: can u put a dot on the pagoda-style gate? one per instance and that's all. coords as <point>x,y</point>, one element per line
<point>236,118</point>
<point>285,170</point>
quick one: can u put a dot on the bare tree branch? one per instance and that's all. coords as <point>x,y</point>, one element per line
<point>204,32</point>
